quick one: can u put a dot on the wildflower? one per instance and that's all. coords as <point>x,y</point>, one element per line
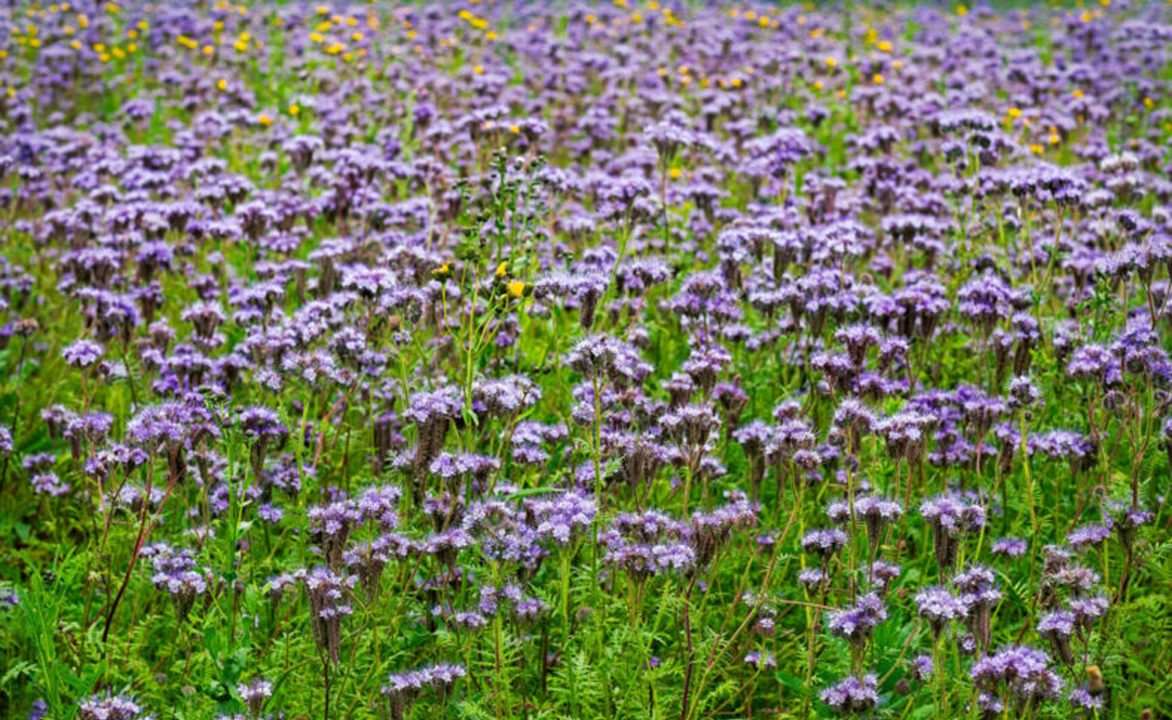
<point>403,688</point>
<point>1023,671</point>
<point>255,694</point>
<point>939,607</point>
<point>852,696</point>
<point>327,593</point>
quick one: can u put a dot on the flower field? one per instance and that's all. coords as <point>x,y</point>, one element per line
<point>585,360</point>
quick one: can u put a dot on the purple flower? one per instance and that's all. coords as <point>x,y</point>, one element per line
<point>760,660</point>
<point>979,594</point>
<point>856,623</point>
<point>877,512</point>
<point>921,668</point>
<point>1081,699</point>
<point>939,607</point>
<point>402,688</point>
<point>1010,547</point>
<point>562,518</point>
<point>83,353</point>
<point>328,593</point>
<point>331,525</point>
<point>1088,536</point>
<point>951,518</point>
<point>824,543</point>
<point>175,572</point>
<point>108,707</point>
<point>852,696</point>
<point>1021,670</point>
<point>255,694</point>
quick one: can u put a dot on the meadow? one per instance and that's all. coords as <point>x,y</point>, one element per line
<point>585,360</point>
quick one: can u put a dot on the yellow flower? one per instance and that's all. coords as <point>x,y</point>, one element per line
<point>1077,93</point>
<point>479,69</point>
<point>675,173</point>
<point>516,288</point>
<point>294,109</point>
<point>1013,112</point>
<point>1054,139</point>
<point>1036,149</point>
<point>222,84</point>
<point>877,79</point>
<point>208,49</point>
<point>265,120</point>
<point>831,62</point>
<point>962,10</point>
<point>442,270</point>
<point>502,269</point>
<point>884,46</point>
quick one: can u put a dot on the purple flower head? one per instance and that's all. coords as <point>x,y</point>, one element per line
<point>824,543</point>
<point>1021,670</point>
<point>331,525</point>
<point>328,593</point>
<point>979,593</point>
<point>562,518</point>
<point>856,623</point>
<point>1087,610</point>
<point>939,607</point>
<point>403,688</point>
<point>108,707</point>
<point>83,353</point>
<point>951,517</point>
<point>877,513</point>
<point>175,573</point>
<point>1010,547</point>
<point>1023,393</point>
<point>760,660</point>
<point>920,668</point>
<point>852,696</point>
<point>811,578</point>
<point>1083,700</point>
<point>255,694</point>
<point>1087,536</point>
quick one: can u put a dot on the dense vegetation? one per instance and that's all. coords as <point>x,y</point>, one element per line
<point>480,360</point>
